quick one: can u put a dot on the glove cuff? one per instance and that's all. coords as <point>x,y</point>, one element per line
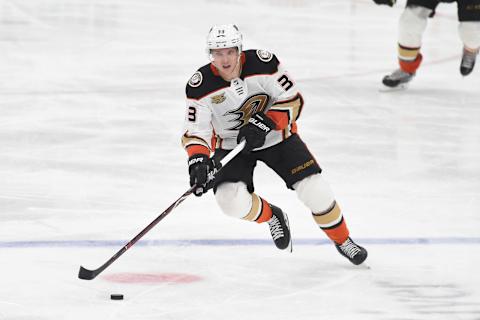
<point>195,149</point>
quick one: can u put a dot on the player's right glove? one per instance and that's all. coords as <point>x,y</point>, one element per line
<point>255,131</point>
<point>199,165</point>
<point>387,2</point>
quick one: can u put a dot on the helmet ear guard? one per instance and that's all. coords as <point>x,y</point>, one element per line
<point>224,36</point>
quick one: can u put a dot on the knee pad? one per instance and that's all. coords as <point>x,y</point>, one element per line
<point>234,199</point>
<point>315,193</point>
<point>470,33</point>
<point>411,26</point>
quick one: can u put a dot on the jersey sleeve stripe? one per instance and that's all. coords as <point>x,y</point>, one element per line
<point>280,117</point>
<point>193,145</point>
<point>294,106</point>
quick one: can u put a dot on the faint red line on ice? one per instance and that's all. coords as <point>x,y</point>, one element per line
<point>152,278</point>
<point>365,73</point>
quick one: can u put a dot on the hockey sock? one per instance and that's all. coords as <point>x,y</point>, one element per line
<point>332,223</point>
<point>260,211</point>
<point>409,59</point>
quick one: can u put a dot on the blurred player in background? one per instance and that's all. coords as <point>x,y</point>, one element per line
<point>413,22</point>
<point>248,95</point>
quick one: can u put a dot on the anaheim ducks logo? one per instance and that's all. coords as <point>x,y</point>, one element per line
<point>256,103</point>
<point>219,98</point>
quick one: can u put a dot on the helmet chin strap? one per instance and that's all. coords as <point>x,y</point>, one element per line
<point>239,63</point>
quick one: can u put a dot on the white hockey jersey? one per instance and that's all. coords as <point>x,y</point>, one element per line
<point>217,109</point>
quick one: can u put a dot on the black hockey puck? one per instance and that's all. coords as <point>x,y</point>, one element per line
<point>116,296</point>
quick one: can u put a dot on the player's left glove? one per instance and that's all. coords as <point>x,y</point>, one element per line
<point>387,2</point>
<point>255,131</point>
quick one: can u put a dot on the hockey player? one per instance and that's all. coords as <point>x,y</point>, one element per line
<point>413,22</point>
<point>249,95</point>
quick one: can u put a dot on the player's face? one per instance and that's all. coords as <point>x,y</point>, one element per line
<point>227,62</point>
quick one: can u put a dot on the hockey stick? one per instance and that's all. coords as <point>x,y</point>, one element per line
<point>87,274</point>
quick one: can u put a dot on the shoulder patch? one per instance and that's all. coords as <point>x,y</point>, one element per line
<point>259,62</point>
<point>264,55</point>
<point>203,82</point>
<point>195,80</point>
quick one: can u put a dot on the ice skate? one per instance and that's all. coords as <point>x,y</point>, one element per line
<point>352,251</point>
<point>398,79</point>
<point>280,229</point>
<point>468,62</point>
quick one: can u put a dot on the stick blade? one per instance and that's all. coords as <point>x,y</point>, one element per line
<point>86,274</point>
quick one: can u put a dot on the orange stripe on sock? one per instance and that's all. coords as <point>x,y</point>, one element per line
<point>411,66</point>
<point>339,234</point>
<point>266,213</point>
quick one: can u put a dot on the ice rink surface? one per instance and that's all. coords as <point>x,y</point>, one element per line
<point>91,114</point>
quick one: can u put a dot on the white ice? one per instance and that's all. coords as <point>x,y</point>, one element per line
<point>91,112</point>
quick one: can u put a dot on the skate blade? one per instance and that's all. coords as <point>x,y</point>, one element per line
<point>364,266</point>
<point>290,246</point>
<point>400,87</point>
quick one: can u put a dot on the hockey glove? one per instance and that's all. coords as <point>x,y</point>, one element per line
<point>255,131</point>
<point>199,166</point>
<point>387,2</point>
